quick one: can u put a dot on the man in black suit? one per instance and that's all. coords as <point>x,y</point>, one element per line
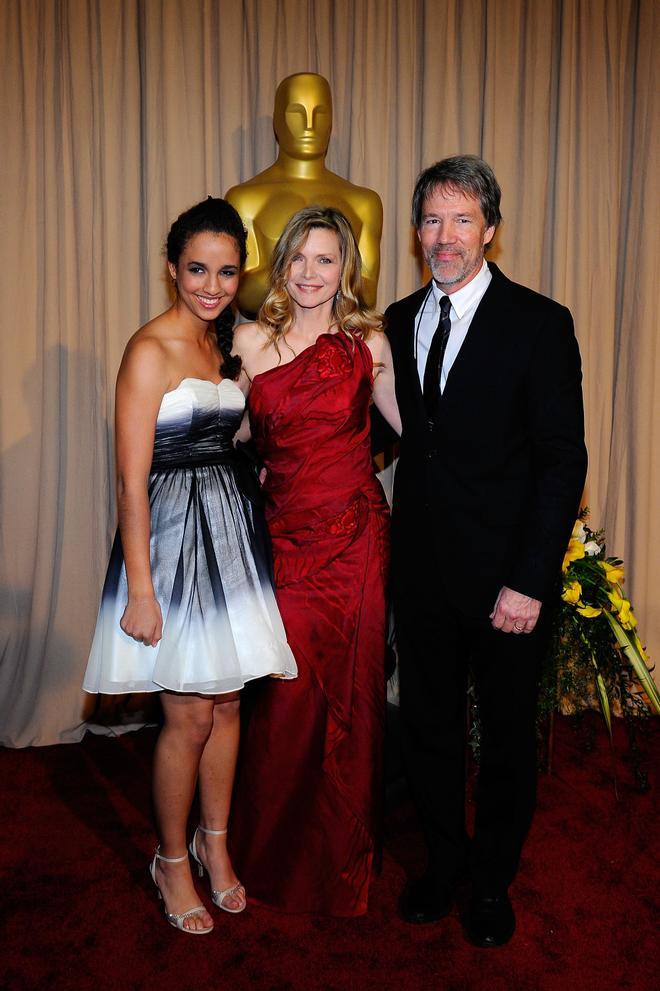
<point>491,470</point>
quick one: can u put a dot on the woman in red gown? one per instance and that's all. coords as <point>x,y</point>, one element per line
<point>305,807</point>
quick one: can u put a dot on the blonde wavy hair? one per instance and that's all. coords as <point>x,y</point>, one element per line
<point>350,314</point>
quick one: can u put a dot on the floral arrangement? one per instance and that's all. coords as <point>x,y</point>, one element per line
<point>596,650</point>
<point>595,655</point>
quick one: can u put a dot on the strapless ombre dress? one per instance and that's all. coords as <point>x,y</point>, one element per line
<point>210,562</point>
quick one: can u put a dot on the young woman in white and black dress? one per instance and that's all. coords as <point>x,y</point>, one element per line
<point>188,608</point>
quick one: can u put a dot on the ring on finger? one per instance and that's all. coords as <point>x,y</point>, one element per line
<point>518,629</point>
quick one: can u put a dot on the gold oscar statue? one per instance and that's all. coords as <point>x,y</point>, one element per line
<point>302,121</point>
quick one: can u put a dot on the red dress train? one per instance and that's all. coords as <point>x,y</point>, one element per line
<point>308,787</point>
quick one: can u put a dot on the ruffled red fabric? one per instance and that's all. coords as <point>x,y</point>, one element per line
<point>305,808</point>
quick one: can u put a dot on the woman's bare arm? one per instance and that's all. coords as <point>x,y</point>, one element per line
<point>141,384</point>
<point>383,391</point>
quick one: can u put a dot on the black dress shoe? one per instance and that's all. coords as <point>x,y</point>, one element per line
<point>424,900</point>
<point>490,920</point>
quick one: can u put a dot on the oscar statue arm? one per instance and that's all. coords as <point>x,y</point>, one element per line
<point>370,209</point>
<point>248,201</point>
<point>245,205</point>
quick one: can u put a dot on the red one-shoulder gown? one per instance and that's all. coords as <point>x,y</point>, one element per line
<point>308,787</point>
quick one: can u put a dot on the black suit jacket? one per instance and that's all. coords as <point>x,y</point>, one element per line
<point>492,487</point>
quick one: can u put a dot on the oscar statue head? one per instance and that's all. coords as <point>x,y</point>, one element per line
<point>302,118</point>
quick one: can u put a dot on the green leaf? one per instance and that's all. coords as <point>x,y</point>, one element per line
<point>637,662</point>
<point>602,696</point>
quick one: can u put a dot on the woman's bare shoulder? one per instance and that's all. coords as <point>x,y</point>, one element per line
<point>256,348</point>
<point>249,337</point>
<point>376,340</point>
<point>147,355</point>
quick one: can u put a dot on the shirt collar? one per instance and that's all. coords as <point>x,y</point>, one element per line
<point>463,298</point>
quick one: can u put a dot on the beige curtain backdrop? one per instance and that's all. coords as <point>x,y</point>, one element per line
<point>118,114</point>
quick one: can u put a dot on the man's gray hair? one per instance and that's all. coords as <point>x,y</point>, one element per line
<point>467,173</point>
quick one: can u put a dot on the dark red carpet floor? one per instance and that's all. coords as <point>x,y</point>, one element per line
<point>79,911</point>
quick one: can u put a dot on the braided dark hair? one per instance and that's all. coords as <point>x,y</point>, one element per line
<point>214,216</point>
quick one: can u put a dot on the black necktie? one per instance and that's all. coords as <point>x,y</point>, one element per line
<point>435,358</point>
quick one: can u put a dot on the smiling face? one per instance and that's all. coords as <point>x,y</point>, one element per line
<point>453,235</point>
<point>207,274</point>
<point>303,115</point>
<point>315,269</point>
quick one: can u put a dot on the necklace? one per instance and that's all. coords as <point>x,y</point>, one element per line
<point>310,344</point>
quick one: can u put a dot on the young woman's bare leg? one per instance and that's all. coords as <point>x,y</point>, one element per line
<point>186,730</point>
<point>216,779</point>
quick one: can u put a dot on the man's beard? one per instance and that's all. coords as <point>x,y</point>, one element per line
<point>449,273</point>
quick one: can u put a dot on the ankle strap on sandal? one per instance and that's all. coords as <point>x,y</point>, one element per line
<point>212,832</point>
<point>169,860</point>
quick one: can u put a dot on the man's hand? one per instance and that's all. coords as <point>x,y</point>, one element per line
<point>515,612</point>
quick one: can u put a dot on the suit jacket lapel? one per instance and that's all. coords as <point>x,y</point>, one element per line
<point>410,353</point>
<point>484,325</point>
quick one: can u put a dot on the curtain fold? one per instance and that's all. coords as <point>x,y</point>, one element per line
<point>117,116</point>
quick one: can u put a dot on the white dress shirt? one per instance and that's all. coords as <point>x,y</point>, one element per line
<point>464,303</point>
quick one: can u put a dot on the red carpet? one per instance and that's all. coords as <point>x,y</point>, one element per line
<point>80,912</point>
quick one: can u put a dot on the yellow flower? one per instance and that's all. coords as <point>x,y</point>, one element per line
<point>574,552</point>
<point>579,531</point>
<point>627,616</point>
<point>623,610</point>
<point>613,573</point>
<point>638,644</point>
<point>572,593</point>
<point>589,611</point>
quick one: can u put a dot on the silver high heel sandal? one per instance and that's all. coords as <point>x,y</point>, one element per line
<point>236,891</point>
<point>178,919</point>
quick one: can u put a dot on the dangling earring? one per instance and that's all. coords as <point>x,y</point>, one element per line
<point>337,297</point>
